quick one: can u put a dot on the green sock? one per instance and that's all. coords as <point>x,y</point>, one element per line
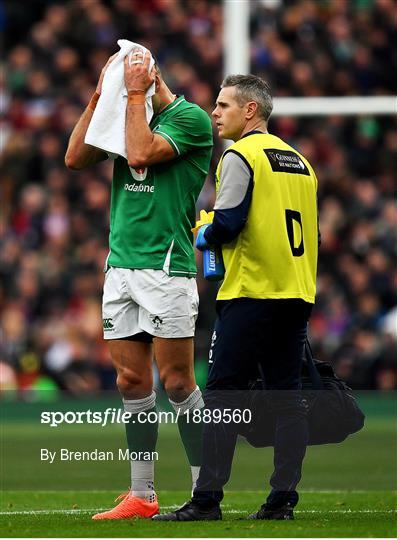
<point>190,431</point>
<point>191,435</point>
<point>141,436</point>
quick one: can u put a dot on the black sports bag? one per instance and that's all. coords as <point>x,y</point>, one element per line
<point>332,409</point>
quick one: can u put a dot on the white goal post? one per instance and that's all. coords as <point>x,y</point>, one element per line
<point>326,106</point>
<point>237,60</point>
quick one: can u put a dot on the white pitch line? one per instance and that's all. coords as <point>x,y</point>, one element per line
<point>231,491</point>
<point>70,511</point>
<point>90,510</point>
<point>49,512</point>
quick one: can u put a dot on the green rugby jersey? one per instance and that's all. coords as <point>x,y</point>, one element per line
<point>153,209</point>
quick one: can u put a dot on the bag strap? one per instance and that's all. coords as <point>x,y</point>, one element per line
<point>262,376</point>
<point>314,374</point>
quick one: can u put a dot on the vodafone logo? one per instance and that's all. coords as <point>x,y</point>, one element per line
<point>139,174</point>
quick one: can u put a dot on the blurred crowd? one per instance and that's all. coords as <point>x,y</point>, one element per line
<point>54,222</point>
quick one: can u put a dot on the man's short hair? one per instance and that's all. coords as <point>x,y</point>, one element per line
<point>251,88</point>
<point>157,66</point>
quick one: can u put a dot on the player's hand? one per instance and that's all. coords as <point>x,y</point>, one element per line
<point>99,85</point>
<point>201,242</point>
<point>136,71</point>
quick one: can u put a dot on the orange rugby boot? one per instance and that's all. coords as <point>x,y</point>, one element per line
<point>130,507</point>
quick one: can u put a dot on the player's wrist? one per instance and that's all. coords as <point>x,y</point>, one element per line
<point>93,101</point>
<point>136,97</point>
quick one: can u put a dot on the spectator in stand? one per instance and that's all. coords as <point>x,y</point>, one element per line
<point>52,222</point>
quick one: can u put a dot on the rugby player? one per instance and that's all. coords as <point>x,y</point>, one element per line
<point>150,300</point>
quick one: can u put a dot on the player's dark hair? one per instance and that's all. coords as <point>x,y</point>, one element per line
<point>156,65</point>
<point>251,88</point>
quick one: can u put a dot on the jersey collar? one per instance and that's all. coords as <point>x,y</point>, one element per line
<point>253,132</point>
<point>176,101</point>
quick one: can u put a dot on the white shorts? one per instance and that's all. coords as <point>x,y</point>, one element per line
<point>136,301</point>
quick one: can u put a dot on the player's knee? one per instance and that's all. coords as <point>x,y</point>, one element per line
<point>193,401</point>
<point>178,384</point>
<point>132,385</point>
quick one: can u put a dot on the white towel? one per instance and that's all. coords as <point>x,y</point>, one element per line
<point>107,127</point>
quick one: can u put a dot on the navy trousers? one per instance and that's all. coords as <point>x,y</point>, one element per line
<point>255,338</point>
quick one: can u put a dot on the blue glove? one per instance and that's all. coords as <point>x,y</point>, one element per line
<point>201,242</point>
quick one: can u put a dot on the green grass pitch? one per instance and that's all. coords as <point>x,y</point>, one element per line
<point>347,490</point>
<point>68,514</point>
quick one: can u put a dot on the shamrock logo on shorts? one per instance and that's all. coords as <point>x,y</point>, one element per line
<point>157,322</point>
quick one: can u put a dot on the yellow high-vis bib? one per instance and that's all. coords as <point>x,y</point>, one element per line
<point>275,255</point>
